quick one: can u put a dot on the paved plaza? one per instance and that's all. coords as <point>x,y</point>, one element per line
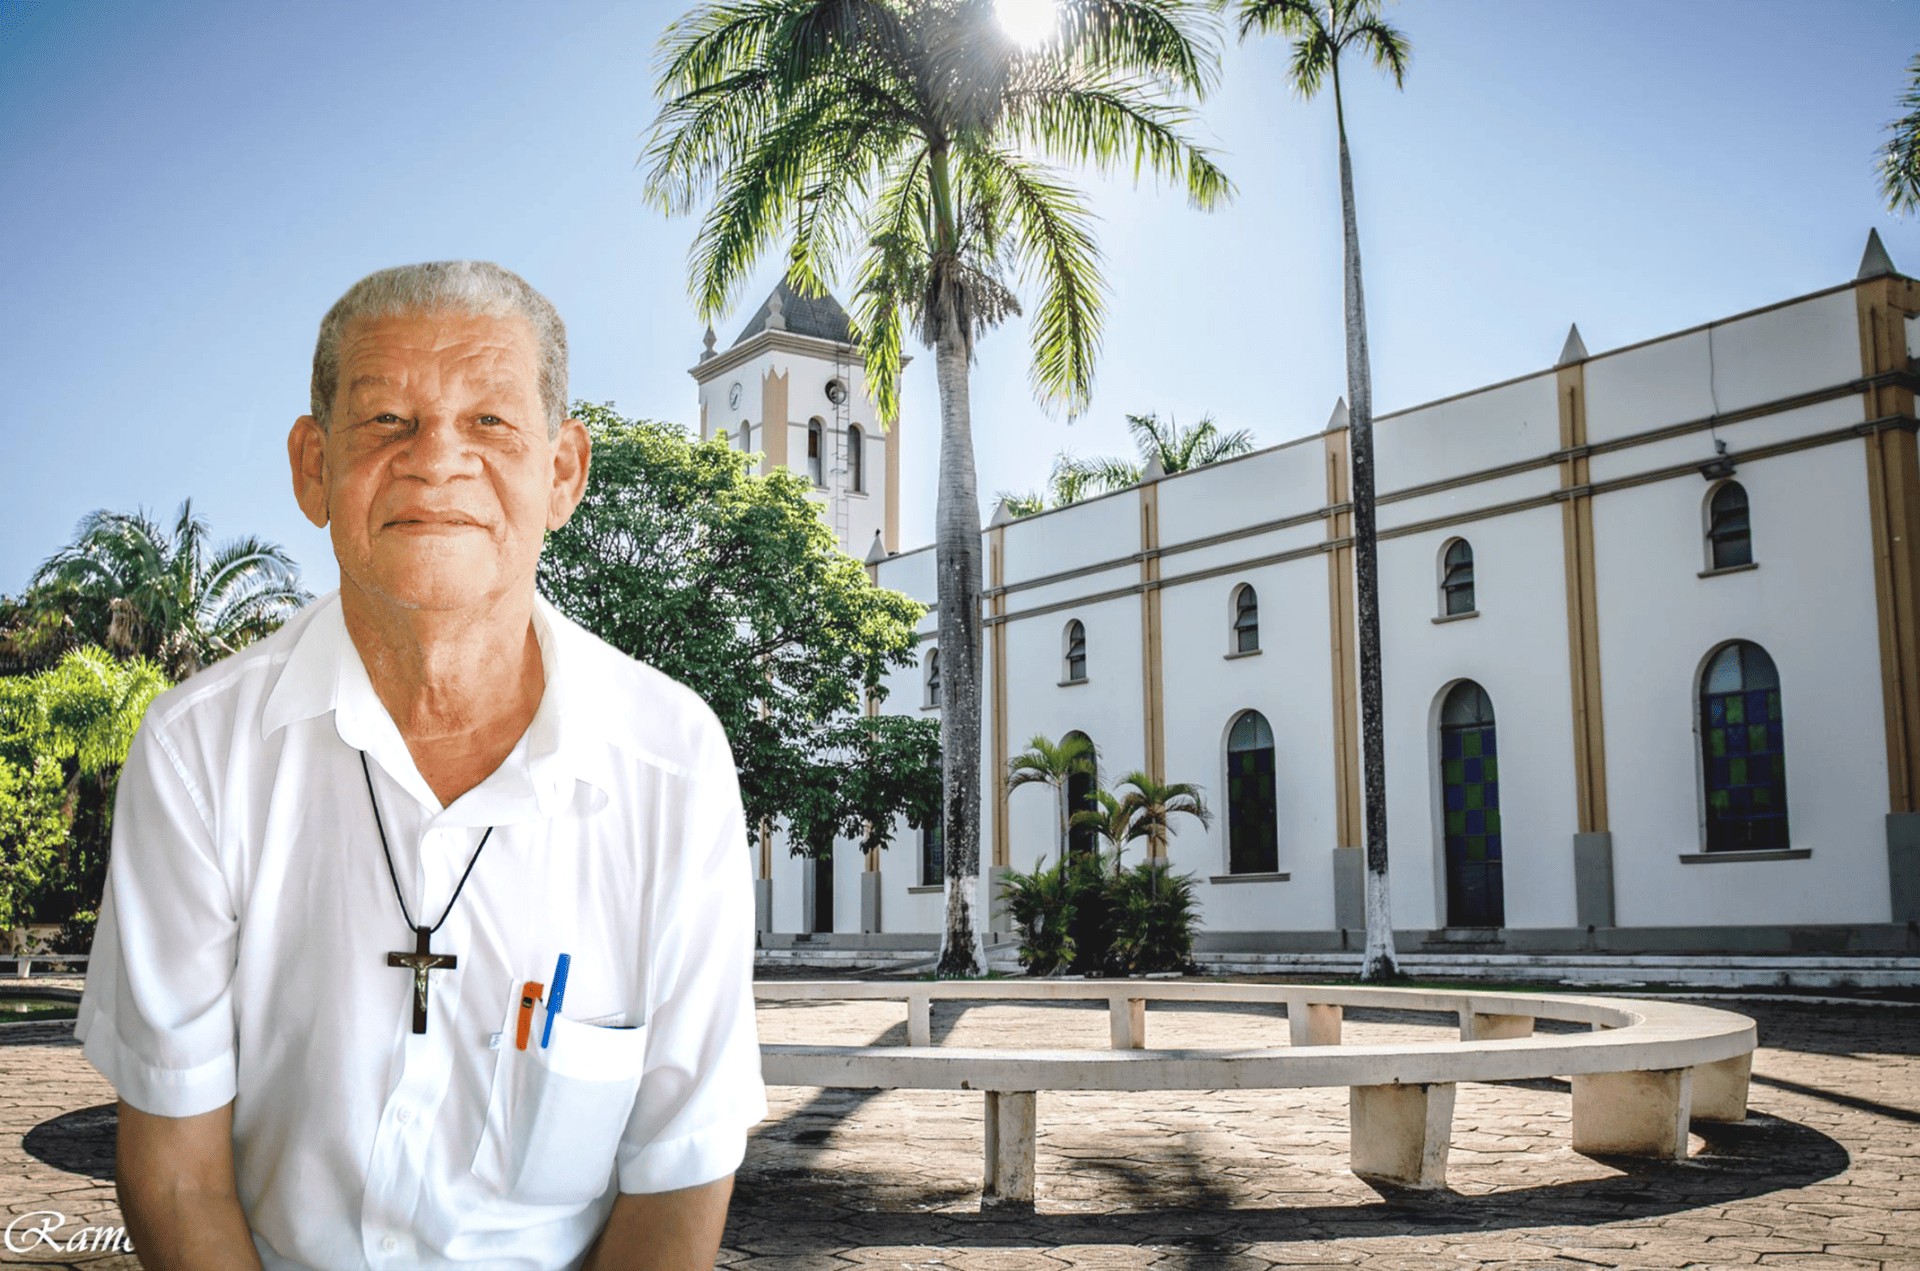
<point>1824,1173</point>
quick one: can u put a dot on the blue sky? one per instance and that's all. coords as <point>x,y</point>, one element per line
<point>189,186</point>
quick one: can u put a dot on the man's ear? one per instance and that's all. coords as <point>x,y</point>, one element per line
<point>307,456</point>
<point>572,452</point>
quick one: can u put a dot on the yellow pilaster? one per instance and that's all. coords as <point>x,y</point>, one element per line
<point>1893,510</point>
<point>1153,711</point>
<point>773,420</point>
<point>1343,640</point>
<point>1583,629</point>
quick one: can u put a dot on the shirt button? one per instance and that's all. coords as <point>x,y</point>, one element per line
<point>389,1244</point>
<point>404,1112</point>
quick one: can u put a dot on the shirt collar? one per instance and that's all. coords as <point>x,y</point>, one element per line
<point>564,744</point>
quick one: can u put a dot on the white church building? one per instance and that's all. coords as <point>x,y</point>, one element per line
<point>1650,640</point>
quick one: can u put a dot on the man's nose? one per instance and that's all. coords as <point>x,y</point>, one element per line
<point>439,448</point>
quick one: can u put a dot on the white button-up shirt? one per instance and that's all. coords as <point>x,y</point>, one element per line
<point>242,949</point>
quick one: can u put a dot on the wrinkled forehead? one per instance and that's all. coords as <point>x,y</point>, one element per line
<point>497,351</point>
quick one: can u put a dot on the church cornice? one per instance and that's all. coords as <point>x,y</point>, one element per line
<point>777,342</point>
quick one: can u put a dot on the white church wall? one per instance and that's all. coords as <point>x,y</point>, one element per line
<point>1234,552</point>
<point>1460,499</point>
<point>1289,682</point>
<point>1810,605</point>
<point>1483,429</point>
<point>1108,708</point>
<point>1286,480</point>
<point>1089,533</point>
<point>1696,448</point>
<point>1516,649</point>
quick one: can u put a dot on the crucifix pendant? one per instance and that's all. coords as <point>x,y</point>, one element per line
<point>421,961</point>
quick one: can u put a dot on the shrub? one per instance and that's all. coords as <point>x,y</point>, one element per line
<point>1042,906</point>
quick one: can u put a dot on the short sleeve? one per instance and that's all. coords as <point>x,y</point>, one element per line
<point>156,1017</point>
<point>701,1089</point>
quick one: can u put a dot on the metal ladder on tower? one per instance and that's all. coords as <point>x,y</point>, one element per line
<point>840,513</point>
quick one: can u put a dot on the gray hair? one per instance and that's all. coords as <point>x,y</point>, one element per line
<point>464,286</point>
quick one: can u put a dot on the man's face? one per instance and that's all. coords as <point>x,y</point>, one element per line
<point>436,472</point>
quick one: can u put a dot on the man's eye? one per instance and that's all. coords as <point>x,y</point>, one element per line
<point>387,417</point>
<point>492,419</point>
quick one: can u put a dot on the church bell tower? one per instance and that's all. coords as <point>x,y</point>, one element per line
<point>792,388</point>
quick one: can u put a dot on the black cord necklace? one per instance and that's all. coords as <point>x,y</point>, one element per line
<point>421,960</point>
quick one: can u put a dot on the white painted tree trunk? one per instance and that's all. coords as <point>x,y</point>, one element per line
<point>1380,960</point>
<point>963,949</point>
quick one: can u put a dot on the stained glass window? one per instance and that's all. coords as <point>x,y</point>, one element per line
<point>1079,794</point>
<point>856,458</point>
<point>1743,751</point>
<point>1253,824</point>
<point>933,677</point>
<point>1470,804</point>
<point>933,864</point>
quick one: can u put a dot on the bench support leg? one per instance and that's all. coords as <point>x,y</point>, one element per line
<point>1720,1089</point>
<point>1314,1025</point>
<point>1127,1017</point>
<point>1476,1026</point>
<point>919,1025</point>
<point>1009,1142</point>
<point>1399,1134</point>
<point>1632,1113</point>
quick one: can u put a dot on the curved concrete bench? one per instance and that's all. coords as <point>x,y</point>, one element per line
<point>1642,1073</point>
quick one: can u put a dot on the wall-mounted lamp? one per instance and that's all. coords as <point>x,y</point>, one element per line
<point>1719,466</point>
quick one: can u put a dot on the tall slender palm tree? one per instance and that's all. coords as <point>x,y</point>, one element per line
<point>1155,804</point>
<point>1177,449</point>
<point>1320,31</point>
<point>1114,819</point>
<point>911,141</point>
<point>1054,764</point>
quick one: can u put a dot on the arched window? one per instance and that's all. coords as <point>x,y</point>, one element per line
<point>1076,651</point>
<point>933,677</point>
<point>815,431</point>
<point>933,864</point>
<point>1456,578</point>
<point>1729,528</point>
<point>1079,795</point>
<point>1246,620</point>
<point>1470,802</point>
<point>1253,821</point>
<point>1743,751</point>
<point>857,458</point>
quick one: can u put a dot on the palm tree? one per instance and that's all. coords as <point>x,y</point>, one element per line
<point>1114,819</point>
<point>1156,803</point>
<point>1900,157</point>
<point>911,139</point>
<point>1054,765</point>
<point>1177,449</point>
<point>141,592</point>
<point>1320,30</point>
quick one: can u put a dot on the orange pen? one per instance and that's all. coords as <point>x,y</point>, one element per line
<point>529,994</point>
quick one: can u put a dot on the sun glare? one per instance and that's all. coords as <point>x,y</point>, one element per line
<point>1028,23</point>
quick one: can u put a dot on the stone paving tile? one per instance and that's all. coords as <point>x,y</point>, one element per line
<point>1825,1173</point>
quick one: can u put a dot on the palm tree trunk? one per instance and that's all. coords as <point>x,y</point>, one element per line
<point>957,563</point>
<point>1380,961</point>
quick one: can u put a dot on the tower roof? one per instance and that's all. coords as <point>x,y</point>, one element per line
<point>817,316</point>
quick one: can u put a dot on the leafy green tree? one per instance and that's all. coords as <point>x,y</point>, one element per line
<point>32,829</point>
<point>1900,157</point>
<point>732,584</point>
<point>67,730</point>
<point>140,591</point>
<point>1053,764</point>
<point>911,140</point>
<point>1320,31</point>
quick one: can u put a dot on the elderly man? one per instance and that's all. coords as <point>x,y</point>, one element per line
<point>354,863</point>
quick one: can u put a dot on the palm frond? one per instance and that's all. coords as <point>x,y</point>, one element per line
<point>1899,164</point>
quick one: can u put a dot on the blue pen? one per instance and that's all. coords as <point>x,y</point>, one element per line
<point>553,998</point>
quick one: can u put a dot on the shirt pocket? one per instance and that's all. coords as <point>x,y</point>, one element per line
<point>556,1113</point>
